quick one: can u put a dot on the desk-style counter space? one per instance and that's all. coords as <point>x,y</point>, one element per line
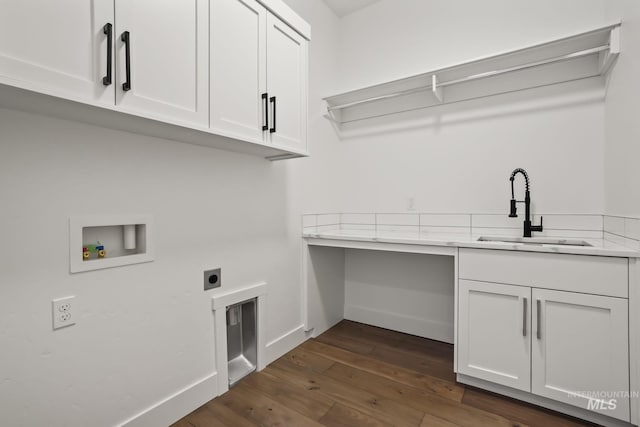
<point>599,247</point>
<point>429,275</point>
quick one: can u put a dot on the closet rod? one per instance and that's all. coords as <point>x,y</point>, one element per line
<point>487,74</point>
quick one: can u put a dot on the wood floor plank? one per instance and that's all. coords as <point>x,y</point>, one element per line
<point>202,417</point>
<point>344,416</point>
<point>309,360</point>
<point>226,415</point>
<point>419,399</point>
<point>306,402</point>
<point>433,421</point>
<point>447,389</point>
<point>424,364</point>
<point>263,410</point>
<point>368,402</point>
<point>360,375</point>
<point>419,354</point>
<point>183,422</point>
<point>519,411</point>
<point>346,342</point>
<point>368,332</point>
<point>392,339</point>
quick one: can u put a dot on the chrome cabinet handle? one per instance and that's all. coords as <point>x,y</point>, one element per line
<point>539,319</point>
<point>524,317</point>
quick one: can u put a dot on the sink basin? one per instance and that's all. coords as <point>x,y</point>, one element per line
<point>535,241</point>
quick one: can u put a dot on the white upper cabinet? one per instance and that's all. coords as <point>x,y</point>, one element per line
<point>167,59</point>
<point>57,47</point>
<point>195,69</point>
<point>238,68</point>
<point>287,85</point>
<point>258,76</point>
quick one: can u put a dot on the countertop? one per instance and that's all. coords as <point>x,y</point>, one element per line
<point>599,247</point>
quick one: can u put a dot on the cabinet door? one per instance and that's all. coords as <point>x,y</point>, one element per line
<point>580,348</point>
<point>238,68</point>
<point>57,47</point>
<point>169,59</point>
<point>494,339</point>
<point>287,82</point>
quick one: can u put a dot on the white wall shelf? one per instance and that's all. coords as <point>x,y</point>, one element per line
<point>579,56</point>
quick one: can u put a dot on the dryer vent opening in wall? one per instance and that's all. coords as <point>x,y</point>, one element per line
<point>241,340</point>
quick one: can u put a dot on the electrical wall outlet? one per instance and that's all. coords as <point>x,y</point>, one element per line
<point>411,203</point>
<point>63,310</point>
<point>212,279</point>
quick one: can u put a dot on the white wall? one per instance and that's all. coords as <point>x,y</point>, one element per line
<point>411,293</point>
<point>143,332</point>
<point>622,154</point>
<point>313,181</point>
<point>458,158</point>
<point>393,39</point>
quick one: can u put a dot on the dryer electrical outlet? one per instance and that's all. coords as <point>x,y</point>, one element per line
<point>63,312</point>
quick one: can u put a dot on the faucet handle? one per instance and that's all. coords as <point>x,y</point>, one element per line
<point>513,213</point>
<point>537,227</point>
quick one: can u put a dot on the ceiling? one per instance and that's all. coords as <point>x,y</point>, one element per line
<point>345,7</point>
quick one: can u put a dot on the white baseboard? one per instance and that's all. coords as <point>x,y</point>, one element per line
<point>285,343</point>
<point>171,409</point>
<point>410,325</point>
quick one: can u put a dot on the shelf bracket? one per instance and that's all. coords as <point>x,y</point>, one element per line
<point>333,114</point>
<point>609,57</point>
<point>437,90</point>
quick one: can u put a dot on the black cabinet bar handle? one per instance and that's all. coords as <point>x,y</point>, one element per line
<point>265,97</point>
<point>524,317</point>
<point>126,86</point>
<point>539,319</point>
<point>108,30</point>
<point>273,128</point>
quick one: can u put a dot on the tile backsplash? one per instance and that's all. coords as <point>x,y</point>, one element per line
<point>555,225</point>
<point>622,230</point>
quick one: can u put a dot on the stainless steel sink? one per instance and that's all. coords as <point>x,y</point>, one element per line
<point>535,241</point>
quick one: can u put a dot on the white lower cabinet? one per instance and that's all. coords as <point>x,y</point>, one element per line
<point>494,334</point>
<point>580,351</point>
<point>565,345</point>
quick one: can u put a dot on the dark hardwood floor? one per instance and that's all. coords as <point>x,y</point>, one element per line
<point>359,375</point>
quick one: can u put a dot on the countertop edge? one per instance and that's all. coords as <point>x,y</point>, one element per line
<point>616,251</point>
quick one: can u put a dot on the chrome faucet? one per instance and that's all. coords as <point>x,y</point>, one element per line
<point>528,228</point>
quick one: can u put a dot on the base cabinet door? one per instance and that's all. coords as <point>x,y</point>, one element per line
<point>163,59</point>
<point>287,85</point>
<point>57,47</point>
<point>580,353</point>
<point>494,339</point>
